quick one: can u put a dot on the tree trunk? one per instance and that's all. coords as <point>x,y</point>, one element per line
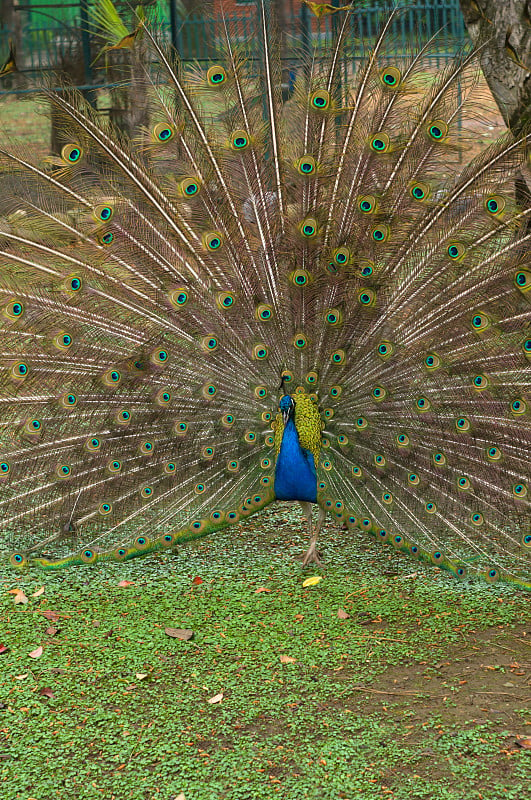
<point>505,28</point>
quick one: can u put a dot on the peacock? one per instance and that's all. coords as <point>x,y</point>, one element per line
<point>324,300</point>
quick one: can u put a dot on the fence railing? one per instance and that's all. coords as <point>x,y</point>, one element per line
<point>53,43</point>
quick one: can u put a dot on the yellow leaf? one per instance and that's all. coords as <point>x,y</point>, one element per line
<point>313,581</point>
<point>141,675</point>
<point>287,660</point>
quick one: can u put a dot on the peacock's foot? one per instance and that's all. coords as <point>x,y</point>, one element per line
<point>312,555</point>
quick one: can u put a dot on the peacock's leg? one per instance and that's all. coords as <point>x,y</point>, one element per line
<point>312,554</point>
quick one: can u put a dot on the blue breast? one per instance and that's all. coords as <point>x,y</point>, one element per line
<point>295,476</point>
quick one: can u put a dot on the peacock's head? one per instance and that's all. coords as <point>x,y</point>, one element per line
<point>287,407</point>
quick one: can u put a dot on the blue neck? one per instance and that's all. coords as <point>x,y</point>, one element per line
<point>295,476</point>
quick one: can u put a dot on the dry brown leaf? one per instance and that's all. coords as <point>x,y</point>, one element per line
<point>179,633</point>
<point>342,614</point>
<point>51,631</point>
<point>197,580</point>
<point>38,592</point>
<point>216,699</point>
<point>525,743</point>
<point>37,653</point>
<point>4,648</point>
<point>126,583</point>
<point>180,796</point>
<point>51,615</point>
<point>21,677</point>
<point>19,597</point>
<point>47,692</point>
<point>287,660</point>
<point>141,675</point>
<point>262,589</point>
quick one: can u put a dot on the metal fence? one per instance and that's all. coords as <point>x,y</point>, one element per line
<point>56,36</point>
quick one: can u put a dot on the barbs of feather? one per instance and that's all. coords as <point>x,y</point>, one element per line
<point>110,26</point>
<point>511,53</point>
<point>475,13</point>
<point>10,65</point>
<point>323,9</point>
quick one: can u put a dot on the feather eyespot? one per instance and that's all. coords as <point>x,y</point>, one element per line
<point>456,250</point>
<point>72,153</point>
<point>309,228</point>
<point>14,309</point>
<point>103,213</point>
<point>180,428</point>
<point>209,391</point>
<point>520,490</point>
<point>367,297</point>
<point>476,519</point>
<point>209,343</point>
<point>333,317</point>
<point>367,204</point>
<point>494,453</point>
<point>239,140</point>
<point>63,471</point>
<point>432,361</point>
<point>178,298</point>
<point>385,350</point>
<point>422,404</point>
<point>357,472</point>
<point>361,423</point>
<point>463,483</point>
<point>379,393</point>
<point>338,357</point>
<point>439,459</point>
<point>216,76</point>
<point>114,466</point>
<point>431,507</point>
<point>213,241</point>
<point>320,99</point>
<point>260,392</point>
<point>379,460</point>
<point>20,370</point>
<point>341,256</point>
<point>306,165</point>
<point>480,382</point>
<point>335,391</point>
<point>437,130</point>
<point>93,444</point>
<point>522,280</point>
<point>300,277</point>
<point>260,352</point>
<point>170,467</point>
<point>62,341</point>
<point>495,205</point>
<point>419,191</point>
<point>480,322</point>
<point>462,424</point>
<point>189,187</point>
<point>264,312</point>
<point>380,143</point>
<point>123,417</point>
<point>104,509</point>
<point>526,347</point>
<point>518,406</point>
<point>225,300</point>
<point>402,440</point>
<point>163,132</point>
<point>300,341</point>
<point>380,233</point>
<point>390,77</point>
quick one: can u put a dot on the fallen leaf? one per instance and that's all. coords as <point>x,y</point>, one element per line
<point>262,589</point>
<point>179,633</point>
<point>299,617</point>
<point>313,581</point>
<point>141,675</point>
<point>51,615</point>
<point>216,699</point>
<point>37,653</point>
<point>126,583</point>
<point>51,631</point>
<point>525,743</point>
<point>287,660</point>
<point>180,796</point>
<point>38,592</point>
<point>342,614</point>
<point>19,597</point>
<point>197,580</point>
<point>21,677</point>
<point>3,648</point>
<point>47,692</point>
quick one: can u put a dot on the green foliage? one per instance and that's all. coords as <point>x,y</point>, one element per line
<point>300,729</point>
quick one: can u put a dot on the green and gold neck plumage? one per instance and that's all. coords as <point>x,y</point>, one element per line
<point>154,293</point>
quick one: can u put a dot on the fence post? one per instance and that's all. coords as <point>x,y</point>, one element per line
<point>85,44</point>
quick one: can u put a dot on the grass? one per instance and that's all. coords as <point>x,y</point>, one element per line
<point>420,693</point>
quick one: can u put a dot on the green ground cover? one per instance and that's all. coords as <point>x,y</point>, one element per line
<point>420,693</point>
